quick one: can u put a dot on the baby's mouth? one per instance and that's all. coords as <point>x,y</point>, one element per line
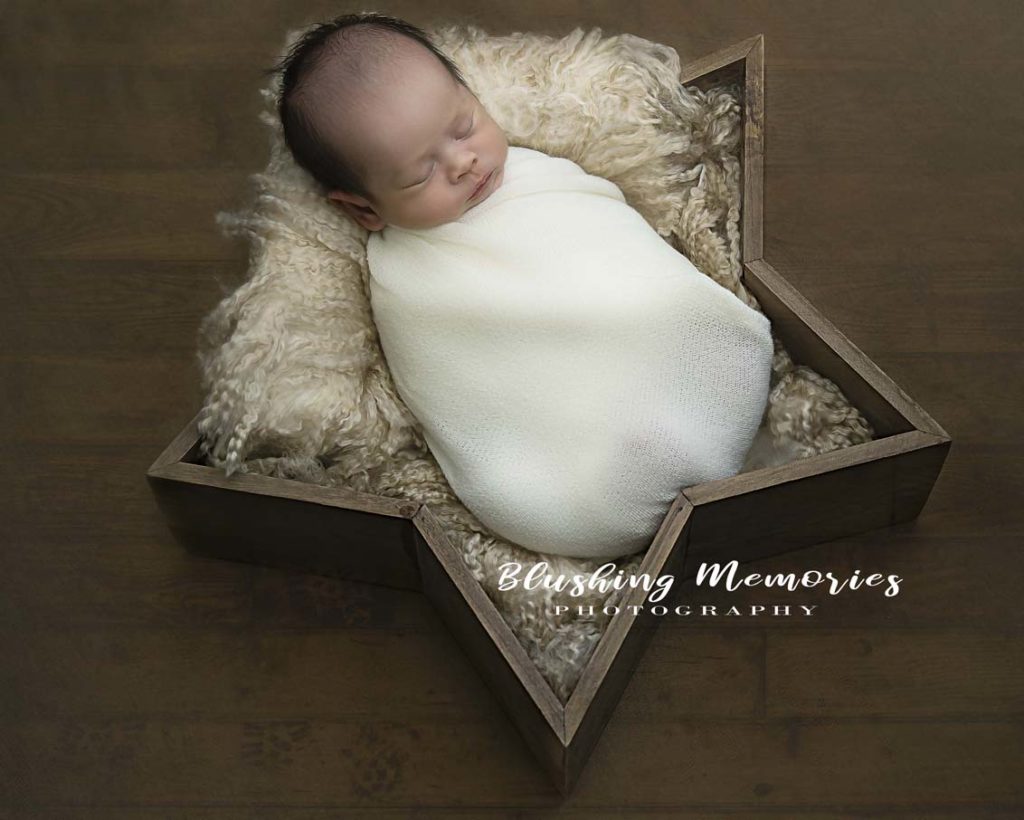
<point>481,185</point>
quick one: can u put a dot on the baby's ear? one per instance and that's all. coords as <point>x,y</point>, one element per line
<point>358,208</point>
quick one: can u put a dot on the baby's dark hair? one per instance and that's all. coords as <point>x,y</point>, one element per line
<point>325,162</point>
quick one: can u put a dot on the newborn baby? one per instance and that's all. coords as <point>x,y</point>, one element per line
<point>386,123</point>
<point>570,370</point>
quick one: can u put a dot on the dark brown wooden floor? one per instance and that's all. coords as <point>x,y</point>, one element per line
<point>141,682</point>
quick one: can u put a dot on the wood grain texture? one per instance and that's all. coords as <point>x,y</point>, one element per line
<point>784,515</point>
<point>144,682</point>
<point>285,530</point>
<point>753,152</point>
<point>813,340</point>
<point>611,667</point>
<point>491,644</point>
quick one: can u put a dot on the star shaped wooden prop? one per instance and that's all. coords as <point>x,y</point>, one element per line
<point>764,512</point>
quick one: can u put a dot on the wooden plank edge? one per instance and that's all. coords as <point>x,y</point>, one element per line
<point>752,207</point>
<point>500,633</point>
<point>340,497</point>
<point>834,338</point>
<point>754,480</point>
<point>718,59</point>
<point>181,444</point>
<point>657,556</point>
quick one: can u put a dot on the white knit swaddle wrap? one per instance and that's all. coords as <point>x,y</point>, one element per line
<point>570,369</point>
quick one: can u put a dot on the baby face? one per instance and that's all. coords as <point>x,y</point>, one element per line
<point>429,149</point>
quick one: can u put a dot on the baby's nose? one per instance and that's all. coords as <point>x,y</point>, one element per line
<point>464,164</point>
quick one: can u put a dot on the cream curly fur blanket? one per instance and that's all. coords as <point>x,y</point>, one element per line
<point>295,382</point>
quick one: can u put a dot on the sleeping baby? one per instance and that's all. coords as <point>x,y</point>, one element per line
<point>570,370</point>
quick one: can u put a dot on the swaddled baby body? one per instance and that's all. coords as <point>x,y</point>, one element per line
<point>571,371</point>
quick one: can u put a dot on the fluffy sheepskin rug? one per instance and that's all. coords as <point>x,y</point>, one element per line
<point>296,385</point>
